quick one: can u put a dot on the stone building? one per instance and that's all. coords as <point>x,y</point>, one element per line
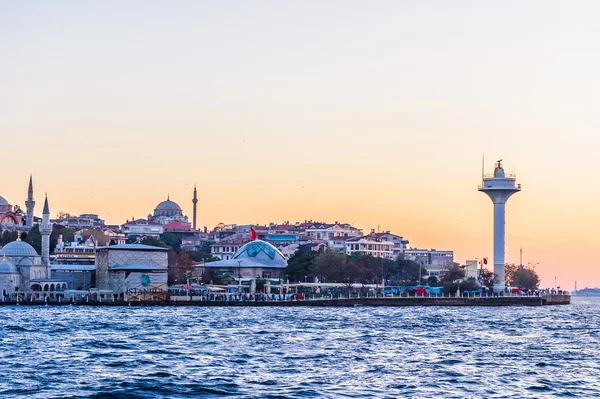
<point>133,271</point>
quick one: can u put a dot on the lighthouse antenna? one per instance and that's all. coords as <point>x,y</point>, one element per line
<point>482,165</point>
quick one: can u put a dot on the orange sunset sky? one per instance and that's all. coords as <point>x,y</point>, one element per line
<point>373,113</point>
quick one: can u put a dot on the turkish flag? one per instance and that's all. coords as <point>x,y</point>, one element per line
<point>252,234</point>
<point>485,261</point>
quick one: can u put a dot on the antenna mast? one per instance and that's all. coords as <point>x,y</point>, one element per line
<point>482,165</point>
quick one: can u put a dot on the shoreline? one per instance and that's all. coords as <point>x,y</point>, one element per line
<point>547,300</point>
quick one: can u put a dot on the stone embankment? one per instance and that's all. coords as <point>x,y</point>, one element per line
<point>346,302</point>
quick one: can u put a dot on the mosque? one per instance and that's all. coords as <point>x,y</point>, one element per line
<point>168,211</point>
<point>23,272</point>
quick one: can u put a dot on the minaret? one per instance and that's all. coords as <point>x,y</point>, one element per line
<point>45,231</point>
<point>499,188</point>
<point>30,204</point>
<point>195,201</point>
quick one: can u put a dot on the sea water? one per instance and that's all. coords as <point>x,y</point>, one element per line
<point>270,352</point>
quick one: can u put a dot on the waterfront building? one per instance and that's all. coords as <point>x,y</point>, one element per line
<point>370,244</point>
<point>432,260</point>
<point>255,259</point>
<point>499,187</point>
<point>132,271</point>
<point>142,228</point>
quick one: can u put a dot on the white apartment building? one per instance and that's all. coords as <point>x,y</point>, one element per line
<point>433,261</point>
<point>142,227</point>
<point>325,231</point>
<point>370,245</point>
<point>226,248</point>
<point>399,243</point>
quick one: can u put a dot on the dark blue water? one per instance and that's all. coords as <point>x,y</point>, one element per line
<point>153,352</point>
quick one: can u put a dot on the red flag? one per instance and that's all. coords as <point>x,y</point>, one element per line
<point>252,234</point>
<point>485,261</point>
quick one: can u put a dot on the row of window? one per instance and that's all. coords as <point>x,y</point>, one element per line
<point>224,249</point>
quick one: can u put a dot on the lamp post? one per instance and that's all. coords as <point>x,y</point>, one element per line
<point>239,262</point>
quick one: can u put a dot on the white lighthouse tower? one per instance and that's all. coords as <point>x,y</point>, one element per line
<point>499,187</point>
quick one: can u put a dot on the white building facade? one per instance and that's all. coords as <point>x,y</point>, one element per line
<point>369,245</point>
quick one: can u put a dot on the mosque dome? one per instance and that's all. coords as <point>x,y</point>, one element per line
<point>7,267</point>
<point>18,248</point>
<point>168,205</point>
<point>25,262</point>
<point>262,251</point>
<point>3,202</point>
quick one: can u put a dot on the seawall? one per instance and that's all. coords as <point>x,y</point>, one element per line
<point>397,301</point>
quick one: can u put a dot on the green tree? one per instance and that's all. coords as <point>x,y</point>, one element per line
<point>525,278</point>
<point>452,274</point>
<point>409,272</point>
<point>469,284</point>
<point>155,242</point>
<point>181,267</point>
<point>8,236</point>
<point>172,240</point>
<point>488,278</point>
<point>34,238</point>
<point>432,281</point>
<point>330,266</point>
<point>301,264</point>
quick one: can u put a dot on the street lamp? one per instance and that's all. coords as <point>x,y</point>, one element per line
<point>239,262</point>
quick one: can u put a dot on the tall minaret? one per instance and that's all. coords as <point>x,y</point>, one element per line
<point>45,231</point>
<point>30,203</point>
<point>194,201</point>
<point>499,188</point>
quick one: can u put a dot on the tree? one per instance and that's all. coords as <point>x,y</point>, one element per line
<point>330,266</point>
<point>525,278</point>
<point>301,264</point>
<point>63,215</point>
<point>451,274</point>
<point>172,240</point>
<point>509,271</point>
<point>488,278</point>
<point>152,241</point>
<point>433,281</point>
<point>181,267</point>
<point>469,284</point>
<point>8,236</point>
<point>34,238</point>
<point>409,271</point>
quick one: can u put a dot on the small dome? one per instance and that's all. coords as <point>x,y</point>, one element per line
<point>262,250</point>
<point>25,262</point>
<point>167,205</point>
<point>7,267</point>
<point>3,201</point>
<point>18,248</point>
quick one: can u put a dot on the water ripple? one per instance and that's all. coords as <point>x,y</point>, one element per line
<point>154,352</point>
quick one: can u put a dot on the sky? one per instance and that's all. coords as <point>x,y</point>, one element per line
<point>374,113</point>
